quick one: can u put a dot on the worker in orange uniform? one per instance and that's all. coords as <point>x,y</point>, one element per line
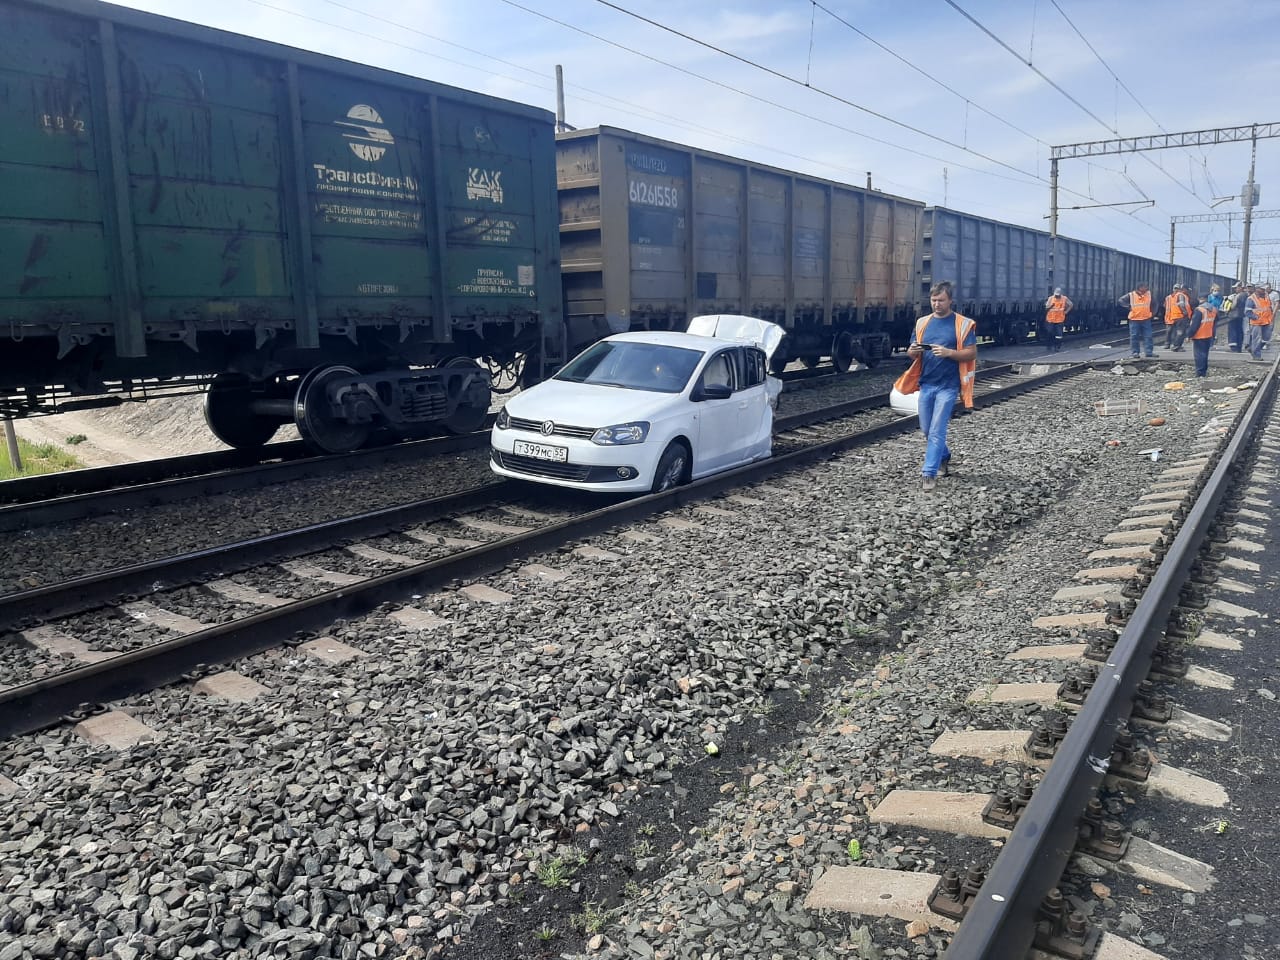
<point>1259,313</point>
<point>1177,311</point>
<point>1056,309</point>
<point>1139,304</point>
<point>1203,327</point>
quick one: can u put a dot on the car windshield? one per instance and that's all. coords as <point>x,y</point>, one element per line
<point>633,366</point>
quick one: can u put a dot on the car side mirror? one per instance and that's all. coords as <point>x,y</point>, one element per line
<point>713,391</point>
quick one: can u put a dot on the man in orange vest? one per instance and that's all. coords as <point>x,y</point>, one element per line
<point>1177,309</point>
<point>1259,314</point>
<point>1139,304</point>
<point>1203,327</point>
<point>1056,309</point>
<point>946,346</point>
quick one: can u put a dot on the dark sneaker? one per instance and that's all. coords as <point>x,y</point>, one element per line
<point>945,469</point>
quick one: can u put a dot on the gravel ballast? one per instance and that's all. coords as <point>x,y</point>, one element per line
<point>378,808</point>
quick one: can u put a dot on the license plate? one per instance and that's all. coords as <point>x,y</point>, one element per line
<point>541,451</point>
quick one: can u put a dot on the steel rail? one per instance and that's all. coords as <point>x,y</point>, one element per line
<point>64,483</point>
<point>22,516</point>
<point>1001,921</point>
<point>99,589</point>
<point>41,703</point>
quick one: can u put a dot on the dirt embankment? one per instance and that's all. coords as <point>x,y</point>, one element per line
<point>165,427</point>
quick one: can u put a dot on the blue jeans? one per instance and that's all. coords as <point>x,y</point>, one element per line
<point>1255,338</point>
<point>1201,349</point>
<point>936,404</point>
<point>1235,333</point>
<point>1140,331</point>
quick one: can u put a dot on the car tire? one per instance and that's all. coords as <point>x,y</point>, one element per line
<point>673,467</point>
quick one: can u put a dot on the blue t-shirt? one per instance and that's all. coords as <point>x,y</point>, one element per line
<point>940,371</point>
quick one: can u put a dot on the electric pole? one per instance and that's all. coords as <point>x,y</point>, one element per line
<point>1248,210</point>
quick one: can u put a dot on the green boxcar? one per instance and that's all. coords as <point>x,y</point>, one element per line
<point>178,203</point>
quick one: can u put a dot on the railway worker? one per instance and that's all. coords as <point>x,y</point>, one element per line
<point>1055,318</point>
<point>1235,316</point>
<point>1139,304</point>
<point>1203,327</point>
<point>946,347</point>
<point>1274,296</point>
<point>1259,314</point>
<point>1177,310</point>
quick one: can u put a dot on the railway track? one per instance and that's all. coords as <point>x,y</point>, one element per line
<point>1018,903</point>
<point>40,500</point>
<point>28,706</point>
<point>447,703</point>
<point>73,494</point>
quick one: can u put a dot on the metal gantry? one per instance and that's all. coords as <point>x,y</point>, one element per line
<point>1165,141</point>
<point>1227,218</point>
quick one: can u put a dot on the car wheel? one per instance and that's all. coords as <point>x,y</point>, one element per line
<point>673,467</point>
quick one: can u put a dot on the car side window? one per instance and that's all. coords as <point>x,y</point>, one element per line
<point>718,372</point>
<point>752,369</point>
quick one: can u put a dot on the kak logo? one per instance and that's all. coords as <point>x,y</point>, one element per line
<point>484,184</point>
<point>369,138</point>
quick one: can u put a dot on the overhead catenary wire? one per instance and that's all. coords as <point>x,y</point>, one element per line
<point>1031,66</point>
<point>747,61</point>
<point>1040,73</point>
<point>928,76</point>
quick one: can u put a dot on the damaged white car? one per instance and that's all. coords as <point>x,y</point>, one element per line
<point>647,411</point>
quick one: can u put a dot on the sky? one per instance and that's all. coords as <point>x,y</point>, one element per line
<point>924,98</point>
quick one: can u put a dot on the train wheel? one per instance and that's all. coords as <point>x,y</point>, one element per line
<point>778,363</point>
<point>842,351</point>
<point>319,428</point>
<point>468,417</point>
<point>811,361</point>
<point>229,414</point>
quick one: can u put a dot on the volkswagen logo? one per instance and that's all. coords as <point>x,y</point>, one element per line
<point>548,428</point>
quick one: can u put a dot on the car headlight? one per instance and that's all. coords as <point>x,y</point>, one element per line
<point>621,433</point>
<point>503,420</point>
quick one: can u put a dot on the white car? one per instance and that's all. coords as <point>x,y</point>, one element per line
<point>646,411</point>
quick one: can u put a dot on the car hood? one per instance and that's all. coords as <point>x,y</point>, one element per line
<point>588,405</point>
<point>739,329</point>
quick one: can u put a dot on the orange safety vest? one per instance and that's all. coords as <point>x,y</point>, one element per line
<point>1209,313</point>
<point>1057,312</point>
<point>1261,311</point>
<point>909,382</point>
<point>1139,306</point>
<point>1172,309</point>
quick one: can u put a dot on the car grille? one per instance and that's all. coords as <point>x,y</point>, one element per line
<point>561,429</point>
<point>541,468</point>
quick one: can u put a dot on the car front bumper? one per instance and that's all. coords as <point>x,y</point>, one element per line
<point>590,466</point>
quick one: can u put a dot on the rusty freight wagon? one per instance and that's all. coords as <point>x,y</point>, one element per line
<point>654,233</point>
<point>316,241</point>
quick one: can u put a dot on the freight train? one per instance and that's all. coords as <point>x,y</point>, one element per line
<point>359,252</point>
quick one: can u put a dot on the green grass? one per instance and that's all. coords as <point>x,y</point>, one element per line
<point>553,873</point>
<point>37,458</point>
<point>592,919</point>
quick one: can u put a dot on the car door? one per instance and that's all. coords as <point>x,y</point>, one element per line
<point>718,438</point>
<point>755,412</point>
